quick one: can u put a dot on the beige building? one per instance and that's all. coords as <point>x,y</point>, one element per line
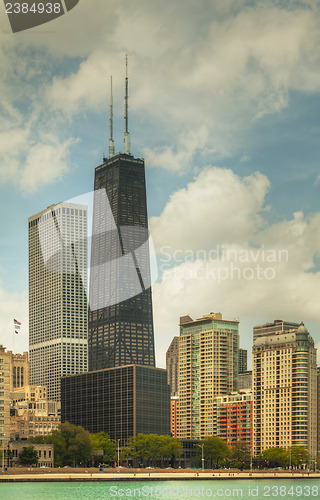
<point>19,370</point>
<point>45,453</point>
<point>285,391</point>
<point>208,366</point>
<point>4,395</point>
<point>172,366</point>
<point>32,414</point>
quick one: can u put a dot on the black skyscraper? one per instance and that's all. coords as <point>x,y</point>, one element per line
<point>120,315</point>
<point>118,395</point>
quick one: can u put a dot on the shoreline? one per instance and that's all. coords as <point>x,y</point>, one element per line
<point>138,475</point>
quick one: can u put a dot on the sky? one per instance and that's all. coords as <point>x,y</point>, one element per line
<point>224,106</point>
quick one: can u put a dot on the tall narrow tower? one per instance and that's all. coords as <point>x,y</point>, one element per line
<point>120,326</point>
<point>58,342</point>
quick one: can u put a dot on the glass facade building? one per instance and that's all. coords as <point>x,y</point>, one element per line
<point>122,401</point>
<point>120,316</point>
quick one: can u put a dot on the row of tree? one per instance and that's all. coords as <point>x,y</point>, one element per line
<point>74,446</point>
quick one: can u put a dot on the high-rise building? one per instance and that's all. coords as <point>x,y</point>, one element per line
<point>234,417</point>
<point>243,354</point>
<point>120,315</point>
<point>208,367</point>
<point>285,391</point>
<point>4,395</point>
<point>278,326</point>
<point>58,322</point>
<point>122,401</point>
<point>123,393</point>
<point>172,366</point>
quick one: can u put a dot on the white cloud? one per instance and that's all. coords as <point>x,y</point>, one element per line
<point>217,207</point>
<point>31,165</point>
<point>188,145</point>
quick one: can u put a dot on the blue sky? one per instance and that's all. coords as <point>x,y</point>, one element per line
<point>224,107</point>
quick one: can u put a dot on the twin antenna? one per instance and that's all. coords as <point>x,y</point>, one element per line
<point>126,131</point>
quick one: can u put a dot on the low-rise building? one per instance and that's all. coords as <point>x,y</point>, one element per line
<point>45,453</point>
<point>32,414</point>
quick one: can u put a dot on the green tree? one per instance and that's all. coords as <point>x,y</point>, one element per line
<point>102,441</point>
<point>275,457</point>
<point>216,449</point>
<point>299,455</point>
<point>72,445</point>
<point>241,451</point>
<point>153,448</point>
<point>28,456</point>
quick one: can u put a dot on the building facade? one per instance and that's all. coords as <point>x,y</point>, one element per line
<point>278,326</point>
<point>208,367</point>
<point>243,357</point>
<point>120,314</point>
<point>31,414</point>
<point>45,453</point>
<point>4,394</point>
<point>285,391</point>
<point>19,370</point>
<point>122,401</point>
<point>234,417</point>
<point>245,380</point>
<point>172,366</point>
<point>173,415</point>
<point>58,343</point>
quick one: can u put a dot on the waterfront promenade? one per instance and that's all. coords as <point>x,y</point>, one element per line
<point>70,474</point>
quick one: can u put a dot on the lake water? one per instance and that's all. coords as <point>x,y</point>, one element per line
<point>182,490</point>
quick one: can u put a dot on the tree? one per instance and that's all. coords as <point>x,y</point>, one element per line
<point>241,451</point>
<point>299,455</point>
<point>101,441</point>
<point>28,456</point>
<point>153,448</point>
<point>72,445</point>
<point>275,457</point>
<point>216,449</point>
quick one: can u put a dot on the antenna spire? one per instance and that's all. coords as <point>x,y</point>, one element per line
<point>111,141</point>
<point>126,131</point>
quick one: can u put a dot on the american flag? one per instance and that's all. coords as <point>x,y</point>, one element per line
<point>17,325</point>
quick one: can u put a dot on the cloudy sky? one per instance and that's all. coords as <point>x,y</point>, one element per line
<point>224,107</point>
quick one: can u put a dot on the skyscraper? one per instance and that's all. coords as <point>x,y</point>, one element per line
<point>208,367</point>
<point>123,393</point>
<point>285,391</point>
<point>58,343</point>
<point>120,315</point>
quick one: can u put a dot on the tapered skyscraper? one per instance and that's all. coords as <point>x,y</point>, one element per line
<point>120,312</point>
